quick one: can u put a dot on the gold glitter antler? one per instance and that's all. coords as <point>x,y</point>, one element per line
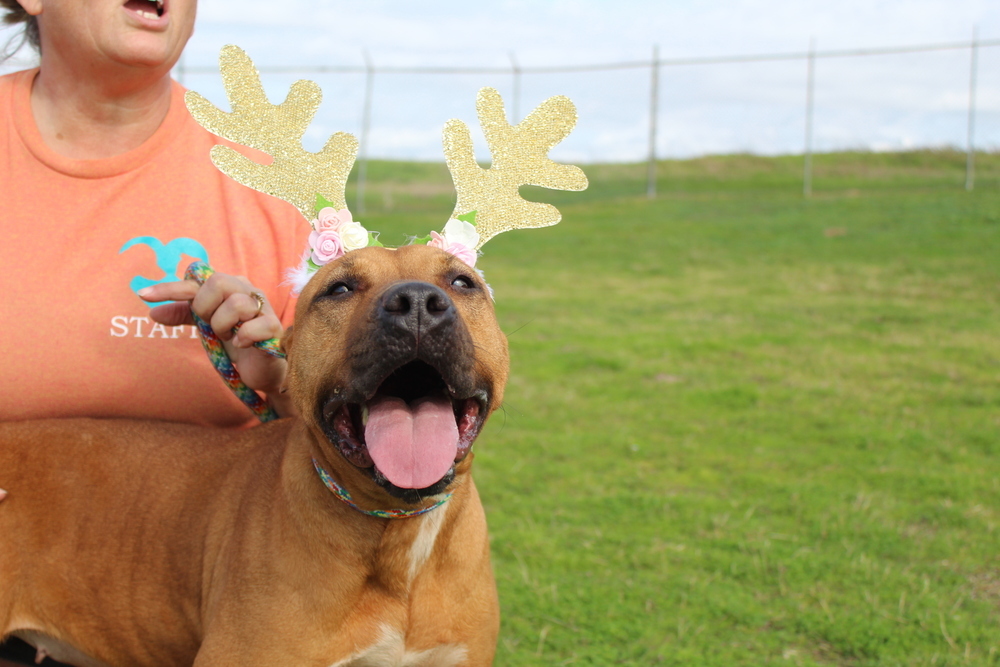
<point>296,175</point>
<point>520,157</point>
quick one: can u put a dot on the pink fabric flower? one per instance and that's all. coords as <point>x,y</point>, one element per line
<point>460,250</point>
<point>326,246</point>
<point>331,219</point>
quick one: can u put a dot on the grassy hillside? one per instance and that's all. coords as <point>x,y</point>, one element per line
<point>743,427</point>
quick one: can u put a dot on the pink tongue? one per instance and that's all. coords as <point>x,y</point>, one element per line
<point>413,446</point>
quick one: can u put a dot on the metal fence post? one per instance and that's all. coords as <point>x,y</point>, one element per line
<point>516,106</point>
<point>810,88</point>
<point>654,95</point>
<point>970,158</point>
<point>366,122</point>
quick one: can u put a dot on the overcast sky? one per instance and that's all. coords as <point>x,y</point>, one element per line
<point>883,102</point>
<point>547,32</point>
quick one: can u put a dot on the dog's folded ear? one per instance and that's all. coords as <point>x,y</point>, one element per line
<point>286,345</point>
<point>286,340</point>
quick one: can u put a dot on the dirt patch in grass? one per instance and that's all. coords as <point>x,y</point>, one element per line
<point>986,586</point>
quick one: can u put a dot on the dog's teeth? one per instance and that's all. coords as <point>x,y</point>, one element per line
<point>364,415</point>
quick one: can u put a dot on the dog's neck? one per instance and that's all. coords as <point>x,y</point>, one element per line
<point>396,513</point>
<point>391,550</point>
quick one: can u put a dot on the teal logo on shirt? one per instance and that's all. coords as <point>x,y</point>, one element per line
<point>168,258</point>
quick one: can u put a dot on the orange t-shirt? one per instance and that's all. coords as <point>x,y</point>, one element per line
<point>78,238</point>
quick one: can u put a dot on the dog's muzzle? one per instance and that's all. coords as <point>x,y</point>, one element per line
<point>415,406</point>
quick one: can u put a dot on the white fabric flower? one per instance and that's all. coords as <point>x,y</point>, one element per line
<point>461,232</point>
<point>353,236</point>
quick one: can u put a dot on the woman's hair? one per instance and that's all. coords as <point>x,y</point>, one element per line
<point>14,14</point>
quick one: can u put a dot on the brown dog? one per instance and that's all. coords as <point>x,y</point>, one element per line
<point>129,543</point>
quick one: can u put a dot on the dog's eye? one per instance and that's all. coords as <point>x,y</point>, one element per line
<point>463,282</point>
<point>338,289</point>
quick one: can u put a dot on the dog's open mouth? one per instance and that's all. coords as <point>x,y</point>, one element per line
<point>411,432</point>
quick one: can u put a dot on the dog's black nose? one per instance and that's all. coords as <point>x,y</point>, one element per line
<point>416,307</point>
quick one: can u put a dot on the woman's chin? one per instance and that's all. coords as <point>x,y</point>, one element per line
<point>147,51</point>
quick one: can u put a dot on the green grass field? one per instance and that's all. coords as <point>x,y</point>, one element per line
<point>744,427</point>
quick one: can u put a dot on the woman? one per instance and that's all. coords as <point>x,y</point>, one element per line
<point>107,193</point>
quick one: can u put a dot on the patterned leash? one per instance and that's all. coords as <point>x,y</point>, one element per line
<point>200,271</point>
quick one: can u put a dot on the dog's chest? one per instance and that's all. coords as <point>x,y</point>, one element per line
<point>390,651</point>
<point>425,540</point>
<point>389,648</point>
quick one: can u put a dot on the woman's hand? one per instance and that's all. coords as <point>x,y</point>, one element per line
<point>225,301</point>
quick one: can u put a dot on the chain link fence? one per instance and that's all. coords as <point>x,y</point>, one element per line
<point>888,98</point>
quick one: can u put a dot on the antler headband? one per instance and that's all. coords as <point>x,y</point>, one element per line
<point>488,201</point>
